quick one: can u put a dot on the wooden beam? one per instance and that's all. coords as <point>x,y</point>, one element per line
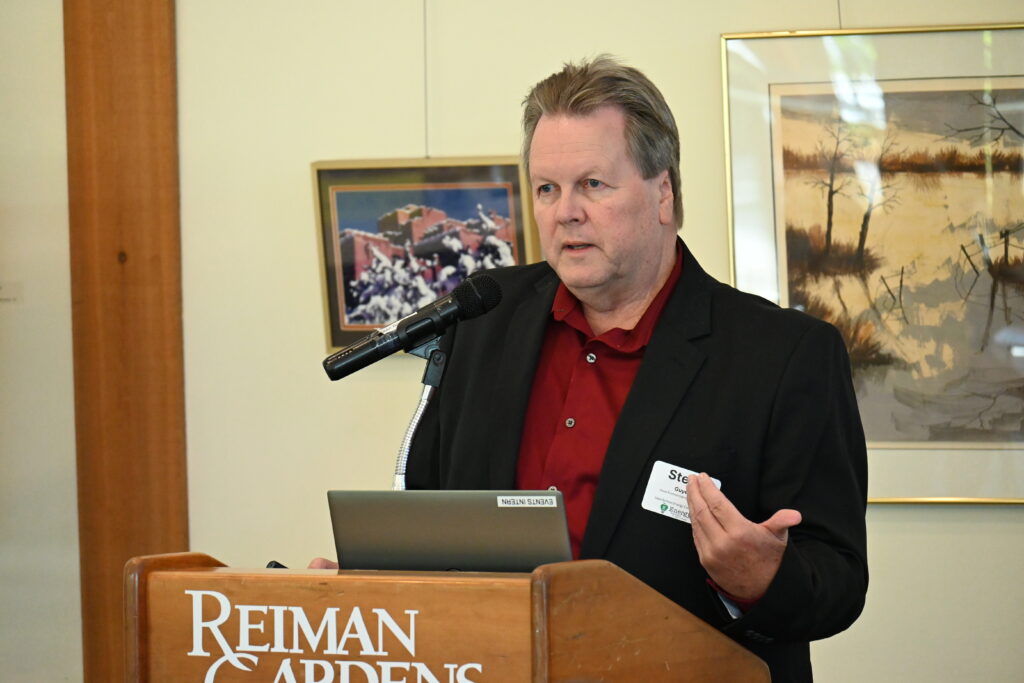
<point>126,302</point>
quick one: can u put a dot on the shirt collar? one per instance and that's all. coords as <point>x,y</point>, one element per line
<point>566,308</point>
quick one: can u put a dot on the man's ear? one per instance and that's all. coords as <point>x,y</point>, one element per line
<point>666,199</point>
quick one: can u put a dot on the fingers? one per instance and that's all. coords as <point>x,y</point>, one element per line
<point>698,514</point>
<point>706,503</point>
<point>780,523</point>
<point>694,499</point>
<point>322,563</point>
<point>713,504</point>
<point>701,518</point>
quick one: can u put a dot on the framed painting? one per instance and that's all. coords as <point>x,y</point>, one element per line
<point>876,181</point>
<point>397,234</point>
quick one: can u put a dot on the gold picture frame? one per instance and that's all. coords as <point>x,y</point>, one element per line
<point>910,110</point>
<point>396,233</point>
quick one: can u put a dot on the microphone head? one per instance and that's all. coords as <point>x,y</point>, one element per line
<point>476,295</point>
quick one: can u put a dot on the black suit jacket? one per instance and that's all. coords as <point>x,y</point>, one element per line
<point>730,384</point>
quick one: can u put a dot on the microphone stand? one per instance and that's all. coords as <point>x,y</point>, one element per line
<point>436,361</point>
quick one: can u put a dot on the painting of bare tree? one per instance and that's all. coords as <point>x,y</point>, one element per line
<point>899,216</point>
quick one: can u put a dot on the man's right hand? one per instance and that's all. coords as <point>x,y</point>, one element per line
<point>322,563</point>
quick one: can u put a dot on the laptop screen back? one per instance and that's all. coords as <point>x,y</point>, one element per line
<point>507,531</point>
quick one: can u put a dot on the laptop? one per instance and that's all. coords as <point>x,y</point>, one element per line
<point>494,531</point>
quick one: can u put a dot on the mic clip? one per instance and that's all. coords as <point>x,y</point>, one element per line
<point>426,348</point>
<point>436,360</point>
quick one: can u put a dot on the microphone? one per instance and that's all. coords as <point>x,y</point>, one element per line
<point>474,296</point>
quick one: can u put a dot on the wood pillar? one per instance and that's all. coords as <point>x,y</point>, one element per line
<point>126,302</point>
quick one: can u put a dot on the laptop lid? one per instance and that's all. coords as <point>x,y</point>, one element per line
<point>507,531</point>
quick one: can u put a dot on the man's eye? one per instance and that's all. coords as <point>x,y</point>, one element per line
<point>545,188</point>
<point>592,184</point>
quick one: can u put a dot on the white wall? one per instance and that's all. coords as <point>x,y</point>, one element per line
<point>40,627</point>
<point>264,92</point>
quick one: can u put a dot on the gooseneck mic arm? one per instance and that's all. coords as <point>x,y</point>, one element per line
<point>432,374</point>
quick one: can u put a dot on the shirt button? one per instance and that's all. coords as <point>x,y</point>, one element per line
<point>570,422</point>
<point>591,358</point>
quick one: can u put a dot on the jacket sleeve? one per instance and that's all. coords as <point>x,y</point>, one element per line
<point>815,461</point>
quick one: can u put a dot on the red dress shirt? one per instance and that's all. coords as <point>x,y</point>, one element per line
<point>579,387</point>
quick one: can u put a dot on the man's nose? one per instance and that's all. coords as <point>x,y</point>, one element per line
<point>570,208</point>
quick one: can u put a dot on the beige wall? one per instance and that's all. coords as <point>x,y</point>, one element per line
<point>40,625</point>
<point>267,87</point>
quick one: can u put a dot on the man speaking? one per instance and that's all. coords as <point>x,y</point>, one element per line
<point>618,371</point>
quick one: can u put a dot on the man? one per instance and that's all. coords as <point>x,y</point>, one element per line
<point>619,359</point>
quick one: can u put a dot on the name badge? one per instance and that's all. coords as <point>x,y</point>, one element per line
<point>666,491</point>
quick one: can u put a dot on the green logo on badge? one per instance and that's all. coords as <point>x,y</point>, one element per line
<point>664,507</point>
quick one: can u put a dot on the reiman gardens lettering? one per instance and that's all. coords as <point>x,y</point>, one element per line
<point>337,636</point>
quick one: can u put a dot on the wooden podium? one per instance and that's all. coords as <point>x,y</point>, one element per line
<point>190,618</point>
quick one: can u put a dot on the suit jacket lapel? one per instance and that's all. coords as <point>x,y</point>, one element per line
<point>525,338</point>
<point>669,366</point>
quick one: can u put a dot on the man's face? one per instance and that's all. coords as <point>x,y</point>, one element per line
<point>604,229</point>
